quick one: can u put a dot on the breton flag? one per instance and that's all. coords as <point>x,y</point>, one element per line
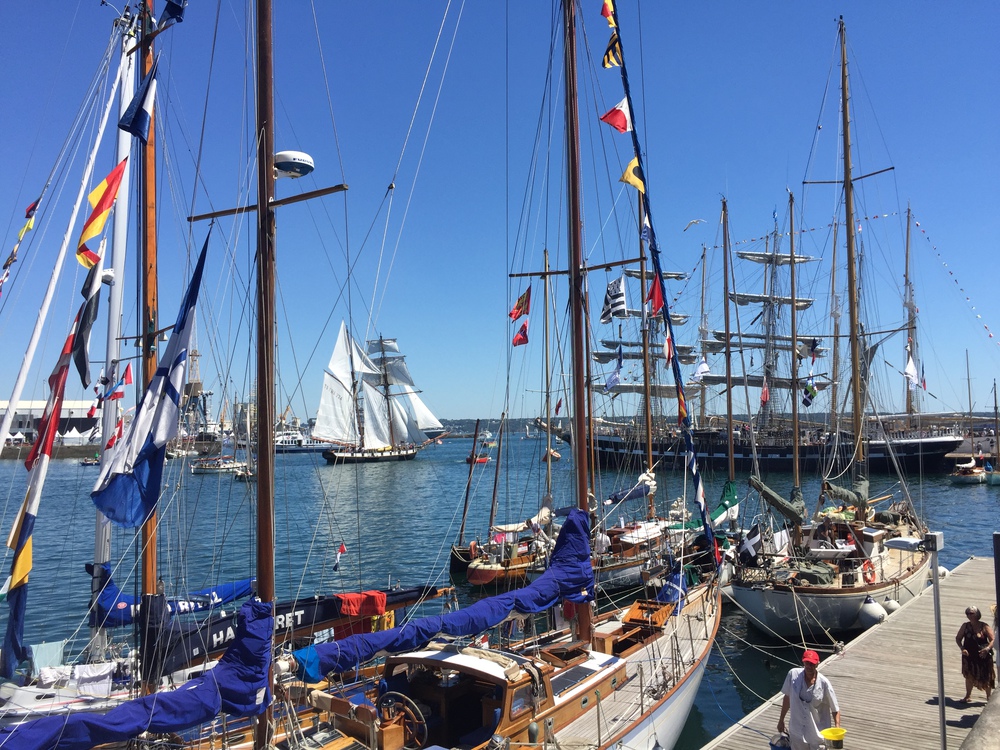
<point>129,484</point>
<point>613,54</point>
<point>809,392</point>
<point>118,389</point>
<point>608,11</point>
<point>619,117</point>
<point>633,176</point>
<point>655,297</point>
<point>910,373</point>
<point>14,649</point>
<point>102,198</point>
<point>340,551</point>
<point>88,314</point>
<point>140,110</point>
<point>522,306</point>
<point>172,13</point>
<point>614,301</point>
<point>521,337</point>
<point>616,377</point>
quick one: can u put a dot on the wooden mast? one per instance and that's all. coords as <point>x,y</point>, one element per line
<point>795,344</point>
<point>647,387</point>
<point>576,280</point>
<point>729,342</point>
<point>857,406</point>
<point>263,733</point>
<point>703,335</point>
<point>911,322</point>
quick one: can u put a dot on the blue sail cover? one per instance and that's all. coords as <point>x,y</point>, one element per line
<point>116,609</point>
<point>569,576</point>
<point>237,686</point>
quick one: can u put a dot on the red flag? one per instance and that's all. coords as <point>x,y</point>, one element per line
<point>117,434</point>
<point>608,11</point>
<point>619,117</point>
<point>342,550</point>
<point>765,394</point>
<point>655,297</point>
<point>102,198</point>
<point>522,306</point>
<point>521,337</point>
<point>48,425</point>
<point>558,406</point>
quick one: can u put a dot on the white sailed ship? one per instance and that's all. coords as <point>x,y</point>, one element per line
<point>369,408</point>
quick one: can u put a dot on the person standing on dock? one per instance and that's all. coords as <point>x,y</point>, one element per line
<point>810,704</point>
<point>976,641</point>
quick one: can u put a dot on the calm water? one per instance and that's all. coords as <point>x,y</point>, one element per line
<point>397,522</point>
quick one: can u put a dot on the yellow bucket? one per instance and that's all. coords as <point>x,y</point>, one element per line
<point>835,735</point>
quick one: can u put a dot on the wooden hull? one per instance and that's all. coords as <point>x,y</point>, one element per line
<point>348,456</point>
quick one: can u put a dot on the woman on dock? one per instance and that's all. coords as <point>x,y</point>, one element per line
<point>810,704</point>
<point>976,641</point>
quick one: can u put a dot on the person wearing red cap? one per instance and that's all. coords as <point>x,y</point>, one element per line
<point>810,704</point>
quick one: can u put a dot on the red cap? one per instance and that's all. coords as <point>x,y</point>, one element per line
<point>810,657</point>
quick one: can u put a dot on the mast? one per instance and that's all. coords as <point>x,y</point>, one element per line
<point>996,425</point>
<point>795,345</point>
<point>548,379</point>
<point>911,320</point>
<point>835,354</point>
<point>468,486</point>
<point>729,342</point>
<point>576,281</point>
<point>265,329</point>
<point>703,335</point>
<point>385,385</point>
<point>968,381</point>
<point>496,473</point>
<point>647,395</point>
<point>857,407</point>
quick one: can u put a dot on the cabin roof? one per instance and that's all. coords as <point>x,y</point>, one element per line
<point>466,662</point>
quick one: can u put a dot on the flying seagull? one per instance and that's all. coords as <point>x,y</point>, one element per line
<point>693,221</point>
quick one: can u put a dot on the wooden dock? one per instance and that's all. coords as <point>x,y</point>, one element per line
<point>886,678</point>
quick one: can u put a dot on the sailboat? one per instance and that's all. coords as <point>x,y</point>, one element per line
<point>369,406</point>
<point>972,471</point>
<point>840,574</point>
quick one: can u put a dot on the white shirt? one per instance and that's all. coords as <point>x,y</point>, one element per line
<point>810,707</point>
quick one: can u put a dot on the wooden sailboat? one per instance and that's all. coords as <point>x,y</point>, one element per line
<point>836,576</point>
<point>971,471</point>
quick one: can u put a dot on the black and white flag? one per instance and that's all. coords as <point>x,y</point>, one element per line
<point>614,301</point>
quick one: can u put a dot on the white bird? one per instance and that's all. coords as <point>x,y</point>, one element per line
<point>693,221</point>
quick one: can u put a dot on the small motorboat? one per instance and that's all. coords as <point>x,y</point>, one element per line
<point>477,458</point>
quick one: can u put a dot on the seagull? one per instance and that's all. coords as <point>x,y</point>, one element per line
<point>693,221</point>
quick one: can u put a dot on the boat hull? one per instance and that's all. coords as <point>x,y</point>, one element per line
<point>348,456</point>
<point>913,454</point>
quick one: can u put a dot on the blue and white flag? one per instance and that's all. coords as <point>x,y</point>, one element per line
<point>616,377</point>
<point>129,485</point>
<point>172,13</point>
<point>140,110</point>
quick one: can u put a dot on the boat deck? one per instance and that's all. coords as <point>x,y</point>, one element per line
<point>886,678</point>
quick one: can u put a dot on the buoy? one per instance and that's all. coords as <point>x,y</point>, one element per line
<point>868,571</point>
<point>871,613</point>
<point>890,605</point>
<point>943,571</point>
<point>292,164</point>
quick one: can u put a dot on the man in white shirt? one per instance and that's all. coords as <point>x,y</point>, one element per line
<point>810,704</point>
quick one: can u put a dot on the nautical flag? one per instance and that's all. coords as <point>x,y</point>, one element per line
<point>102,198</point>
<point>809,392</point>
<point>558,406</point>
<point>608,11</point>
<point>117,434</point>
<point>814,349</point>
<point>752,545</point>
<point>655,297</point>
<point>140,110</point>
<point>616,377</point>
<point>14,649</point>
<point>88,314</point>
<point>645,233</point>
<point>613,54</point>
<point>923,380</point>
<point>910,373</point>
<point>118,389</point>
<point>633,176</point>
<point>521,337</point>
<point>342,550</point>
<point>172,13</point>
<point>619,117</point>
<point>129,484</point>
<point>702,371</point>
<point>29,215</point>
<point>668,347</point>
<point>614,301</point>
<point>765,393</point>
<point>522,306</point>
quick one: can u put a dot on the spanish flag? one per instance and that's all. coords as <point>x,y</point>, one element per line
<point>102,199</point>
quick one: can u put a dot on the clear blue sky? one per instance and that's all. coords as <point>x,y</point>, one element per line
<point>728,97</point>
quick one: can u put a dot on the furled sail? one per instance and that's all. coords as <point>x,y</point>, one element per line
<point>744,298</point>
<point>569,576</point>
<point>777,259</point>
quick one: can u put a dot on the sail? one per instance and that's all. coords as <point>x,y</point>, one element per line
<point>336,418</point>
<point>238,686</point>
<point>379,347</point>
<point>569,576</point>
<point>425,420</point>
<point>743,298</point>
<point>404,426</point>
<point>777,259</point>
<point>376,418</point>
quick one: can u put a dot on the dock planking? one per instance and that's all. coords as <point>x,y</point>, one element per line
<point>886,678</point>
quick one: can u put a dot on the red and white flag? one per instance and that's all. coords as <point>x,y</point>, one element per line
<point>619,117</point>
<point>342,550</point>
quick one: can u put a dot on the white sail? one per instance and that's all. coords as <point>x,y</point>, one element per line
<point>425,420</point>
<point>336,419</point>
<point>404,426</point>
<point>376,418</point>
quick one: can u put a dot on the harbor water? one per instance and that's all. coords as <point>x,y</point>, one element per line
<point>397,522</point>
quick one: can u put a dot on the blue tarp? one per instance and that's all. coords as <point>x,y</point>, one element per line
<point>237,686</point>
<point>116,609</point>
<point>569,576</point>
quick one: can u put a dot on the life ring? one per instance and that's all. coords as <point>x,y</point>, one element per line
<point>868,571</point>
<point>473,550</point>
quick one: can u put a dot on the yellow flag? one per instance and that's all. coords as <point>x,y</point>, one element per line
<point>633,176</point>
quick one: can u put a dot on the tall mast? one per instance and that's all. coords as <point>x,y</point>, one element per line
<point>795,343</point>
<point>729,342</point>
<point>703,335</point>
<point>835,314</point>
<point>968,381</point>
<point>911,319</point>
<point>385,384</point>
<point>576,280</point>
<point>857,406</point>
<point>996,426</point>
<point>548,380</point>
<point>647,387</point>
<point>265,328</point>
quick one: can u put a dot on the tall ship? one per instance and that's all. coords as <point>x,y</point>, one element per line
<point>370,410</point>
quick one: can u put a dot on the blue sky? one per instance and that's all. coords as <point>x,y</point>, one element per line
<point>728,98</point>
